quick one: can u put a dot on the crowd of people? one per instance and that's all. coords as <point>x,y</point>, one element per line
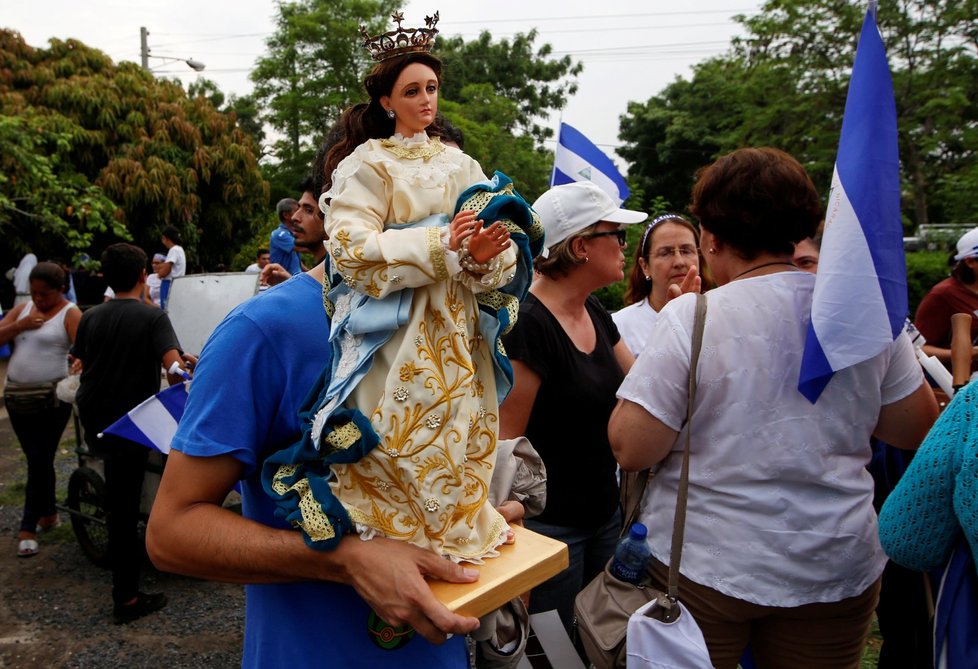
<point>358,403</point>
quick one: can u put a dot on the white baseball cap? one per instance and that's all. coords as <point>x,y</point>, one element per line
<point>968,245</point>
<point>567,209</point>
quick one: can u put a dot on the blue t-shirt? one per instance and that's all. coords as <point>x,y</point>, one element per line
<point>281,249</point>
<point>253,375</point>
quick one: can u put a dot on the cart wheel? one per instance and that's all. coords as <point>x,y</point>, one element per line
<point>86,500</point>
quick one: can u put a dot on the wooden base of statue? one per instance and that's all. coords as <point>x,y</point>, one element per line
<point>528,562</point>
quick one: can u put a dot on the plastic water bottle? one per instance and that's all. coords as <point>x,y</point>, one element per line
<point>631,555</point>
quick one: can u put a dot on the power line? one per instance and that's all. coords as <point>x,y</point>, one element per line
<point>591,17</point>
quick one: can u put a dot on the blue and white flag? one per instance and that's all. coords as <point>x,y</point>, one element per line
<point>154,422</point>
<point>956,611</point>
<point>578,159</point>
<point>860,300</point>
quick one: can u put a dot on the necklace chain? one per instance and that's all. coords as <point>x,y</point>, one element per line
<point>763,265</point>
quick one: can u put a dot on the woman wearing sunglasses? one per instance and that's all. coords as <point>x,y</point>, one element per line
<point>667,255</point>
<point>568,360</point>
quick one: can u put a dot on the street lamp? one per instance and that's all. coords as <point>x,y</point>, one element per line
<point>195,65</point>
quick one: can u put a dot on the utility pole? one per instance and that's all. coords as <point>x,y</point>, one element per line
<point>144,55</point>
<point>144,47</point>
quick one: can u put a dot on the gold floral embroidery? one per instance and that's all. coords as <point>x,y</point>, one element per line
<point>409,370</point>
<point>424,151</point>
<point>351,261</point>
<point>424,453</point>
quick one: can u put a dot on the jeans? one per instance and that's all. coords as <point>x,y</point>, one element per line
<point>39,434</point>
<point>589,551</point>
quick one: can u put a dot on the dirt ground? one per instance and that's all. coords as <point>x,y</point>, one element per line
<point>55,608</point>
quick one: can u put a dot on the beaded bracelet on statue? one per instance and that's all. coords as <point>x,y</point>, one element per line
<point>468,263</point>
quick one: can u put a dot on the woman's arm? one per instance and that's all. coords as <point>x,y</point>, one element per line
<point>514,414</point>
<point>624,356</point>
<point>638,439</point>
<point>72,319</point>
<point>12,325</point>
<point>917,524</point>
<point>905,423</point>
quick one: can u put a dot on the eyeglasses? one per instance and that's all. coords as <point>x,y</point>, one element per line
<point>667,252</point>
<point>620,234</point>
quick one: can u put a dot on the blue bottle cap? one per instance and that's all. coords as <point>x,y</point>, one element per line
<point>638,531</point>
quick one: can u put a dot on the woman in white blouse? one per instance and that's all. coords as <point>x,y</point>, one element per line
<point>781,547</point>
<point>667,255</point>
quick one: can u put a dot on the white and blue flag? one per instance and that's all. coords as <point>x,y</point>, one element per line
<point>578,159</point>
<point>860,300</point>
<point>154,422</point>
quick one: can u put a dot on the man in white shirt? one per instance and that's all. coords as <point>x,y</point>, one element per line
<point>261,259</point>
<point>175,263</point>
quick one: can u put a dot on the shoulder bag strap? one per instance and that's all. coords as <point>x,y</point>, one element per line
<point>632,490</point>
<point>679,524</point>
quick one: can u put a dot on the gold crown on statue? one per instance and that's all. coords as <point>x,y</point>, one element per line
<point>401,41</point>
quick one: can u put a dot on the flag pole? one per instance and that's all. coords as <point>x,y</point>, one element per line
<point>553,170</point>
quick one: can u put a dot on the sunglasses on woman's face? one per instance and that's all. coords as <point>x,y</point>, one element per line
<point>620,234</point>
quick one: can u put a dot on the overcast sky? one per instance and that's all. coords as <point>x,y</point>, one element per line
<point>631,49</point>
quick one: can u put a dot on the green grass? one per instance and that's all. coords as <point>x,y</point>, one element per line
<point>871,655</point>
<point>12,492</point>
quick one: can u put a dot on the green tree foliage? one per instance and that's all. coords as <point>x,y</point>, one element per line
<point>45,204</point>
<point>313,69</point>
<point>496,92</point>
<point>109,152</point>
<point>784,84</point>
<point>925,269</point>
<point>515,70</point>
<point>485,120</point>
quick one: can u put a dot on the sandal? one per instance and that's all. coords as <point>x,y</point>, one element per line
<point>50,526</point>
<point>27,548</point>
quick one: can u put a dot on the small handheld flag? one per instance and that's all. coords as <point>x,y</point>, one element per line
<point>578,159</point>
<point>154,422</point>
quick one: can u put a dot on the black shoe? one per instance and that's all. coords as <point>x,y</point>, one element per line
<point>145,604</point>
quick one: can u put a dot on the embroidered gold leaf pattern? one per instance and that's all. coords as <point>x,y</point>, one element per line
<point>423,151</point>
<point>408,371</point>
<point>436,459</point>
<point>352,262</point>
